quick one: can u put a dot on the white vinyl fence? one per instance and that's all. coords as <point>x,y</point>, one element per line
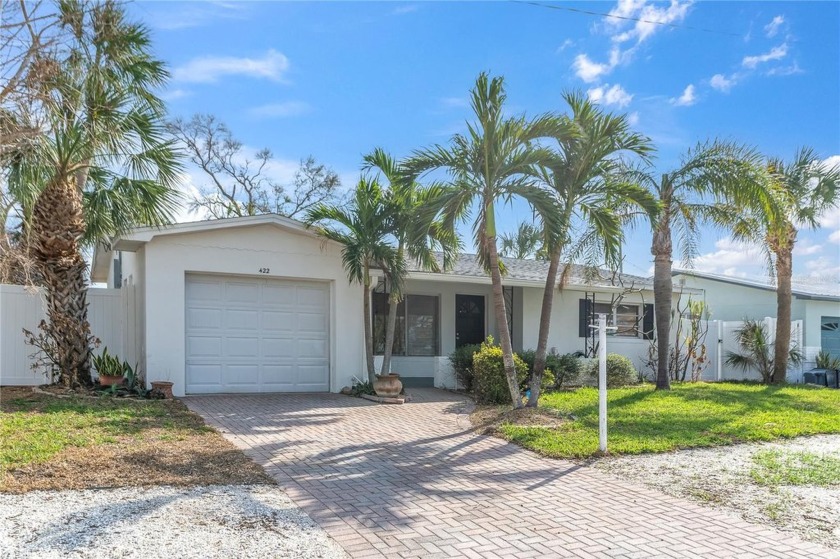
<point>112,319</point>
<point>722,339</point>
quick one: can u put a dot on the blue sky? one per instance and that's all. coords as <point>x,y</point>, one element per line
<point>337,79</point>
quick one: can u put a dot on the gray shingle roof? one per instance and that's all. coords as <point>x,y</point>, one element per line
<point>467,265</point>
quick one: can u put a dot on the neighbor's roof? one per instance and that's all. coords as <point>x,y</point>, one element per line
<point>802,288</point>
<point>534,272</point>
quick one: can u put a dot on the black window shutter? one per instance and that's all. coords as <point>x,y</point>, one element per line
<point>647,322</point>
<point>584,317</point>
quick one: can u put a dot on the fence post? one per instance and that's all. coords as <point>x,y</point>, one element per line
<point>719,350</point>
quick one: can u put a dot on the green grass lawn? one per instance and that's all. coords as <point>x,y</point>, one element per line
<point>690,415</point>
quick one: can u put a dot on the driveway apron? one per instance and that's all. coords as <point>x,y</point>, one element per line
<point>416,481</point>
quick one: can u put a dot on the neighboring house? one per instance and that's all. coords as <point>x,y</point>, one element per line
<point>262,304</point>
<point>817,305</point>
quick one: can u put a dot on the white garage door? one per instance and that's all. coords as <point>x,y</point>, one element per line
<point>256,335</point>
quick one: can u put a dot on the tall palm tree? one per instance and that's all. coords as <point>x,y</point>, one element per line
<point>489,164</point>
<point>590,201</point>
<point>527,242</point>
<point>363,227</point>
<point>805,189</point>
<point>104,164</point>
<point>417,238</point>
<point>713,183</point>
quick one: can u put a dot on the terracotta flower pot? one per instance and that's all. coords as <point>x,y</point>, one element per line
<point>387,386</point>
<point>108,380</point>
<point>164,387</point>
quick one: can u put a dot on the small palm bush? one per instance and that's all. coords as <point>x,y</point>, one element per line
<point>490,383</point>
<point>826,361</point>
<point>620,371</point>
<point>757,352</point>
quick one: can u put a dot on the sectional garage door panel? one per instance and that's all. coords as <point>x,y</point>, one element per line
<point>256,335</point>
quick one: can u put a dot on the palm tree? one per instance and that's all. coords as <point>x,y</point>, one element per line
<point>805,189</point>
<point>525,243</point>
<point>416,237</point>
<point>713,183</point>
<point>492,162</point>
<point>589,200</point>
<point>363,227</point>
<point>758,353</point>
<point>105,163</point>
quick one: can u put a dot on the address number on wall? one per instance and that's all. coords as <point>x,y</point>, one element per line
<point>265,270</point>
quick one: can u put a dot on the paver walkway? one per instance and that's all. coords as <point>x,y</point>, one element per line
<point>416,481</point>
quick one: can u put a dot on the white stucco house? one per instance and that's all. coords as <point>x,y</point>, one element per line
<point>262,304</point>
<point>816,304</point>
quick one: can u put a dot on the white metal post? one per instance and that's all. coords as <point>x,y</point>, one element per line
<point>602,383</point>
<point>720,350</point>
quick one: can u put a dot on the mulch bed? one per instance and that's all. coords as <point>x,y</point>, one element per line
<point>174,447</point>
<point>488,419</point>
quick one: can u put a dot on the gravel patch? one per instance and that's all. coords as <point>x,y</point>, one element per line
<point>721,478</point>
<point>166,522</point>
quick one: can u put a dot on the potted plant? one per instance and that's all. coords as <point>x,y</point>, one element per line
<point>387,386</point>
<point>109,368</point>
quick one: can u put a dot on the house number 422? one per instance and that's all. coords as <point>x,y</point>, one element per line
<point>265,270</point>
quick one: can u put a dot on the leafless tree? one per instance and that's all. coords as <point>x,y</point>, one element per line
<point>242,186</point>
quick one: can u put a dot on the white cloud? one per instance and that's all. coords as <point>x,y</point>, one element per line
<point>281,110</point>
<point>824,268</point>
<point>633,118</point>
<point>606,95</point>
<point>687,98</point>
<point>566,44</point>
<point>174,94</point>
<point>731,258</point>
<point>590,71</point>
<point>786,70</point>
<point>772,28</point>
<point>835,237</point>
<point>407,9</point>
<point>776,53</point>
<point>721,82</point>
<point>832,162</point>
<point>806,247</point>
<point>651,18</point>
<point>208,69</point>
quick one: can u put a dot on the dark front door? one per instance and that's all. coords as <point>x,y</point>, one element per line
<point>469,319</point>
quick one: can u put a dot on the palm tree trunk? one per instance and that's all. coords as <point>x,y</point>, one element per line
<point>371,370</point>
<point>390,327</point>
<point>784,270</point>
<point>662,294</point>
<point>58,226</point>
<point>545,326</point>
<point>502,323</point>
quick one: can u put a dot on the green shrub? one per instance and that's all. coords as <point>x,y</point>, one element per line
<point>462,363</point>
<point>549,378</point>
<point>620,371</point>
<point>566,367</point>
<point>360,388</point>
<point>490,382</point>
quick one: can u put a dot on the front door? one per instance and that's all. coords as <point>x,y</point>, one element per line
<point>469,319</point>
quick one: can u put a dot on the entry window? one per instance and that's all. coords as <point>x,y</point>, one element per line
<point>625,318</point>
<point>416,328</point>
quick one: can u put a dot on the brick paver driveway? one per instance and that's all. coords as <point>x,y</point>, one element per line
<point>415,481</point>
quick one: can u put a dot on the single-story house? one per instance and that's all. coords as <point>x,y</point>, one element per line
<point>816,304</point>
<point>262,304</point>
